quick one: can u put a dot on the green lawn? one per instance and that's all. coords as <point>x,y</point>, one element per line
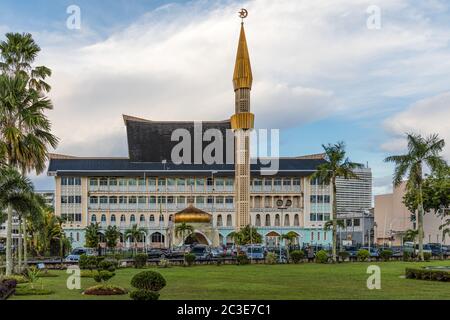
<point>303,281</point>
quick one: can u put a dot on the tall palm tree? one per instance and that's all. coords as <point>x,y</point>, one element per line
<point>135,234</point>
<point>18,53</point>
<point>112,234</point>
<point>24,129</point>
<point>14,193</point>
<point>183,229</point>
<point>422,151</point>
<point>337,166</point>
<point>289,238</point>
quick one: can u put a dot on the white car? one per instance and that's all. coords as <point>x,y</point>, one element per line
<point>74,256</point>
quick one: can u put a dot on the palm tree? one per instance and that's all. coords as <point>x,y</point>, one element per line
<point>289,238</point>
<point>421,151</point>
<point>92,235</point>
<point>135,234</point>
<point>24,129</point>
<point>18,53</point>
<point>337,166</point>
<point>112,234</point>
<point>14,193</point>
<point>184,229</point>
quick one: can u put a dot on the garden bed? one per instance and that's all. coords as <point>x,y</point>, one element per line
<point>434,274</point>
<point>105,290</point>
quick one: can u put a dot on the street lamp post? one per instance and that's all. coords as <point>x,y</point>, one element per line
<point>282,206</point>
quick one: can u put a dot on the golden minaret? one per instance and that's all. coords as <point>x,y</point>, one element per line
<point>242,122</point>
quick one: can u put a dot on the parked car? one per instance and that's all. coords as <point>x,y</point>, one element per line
<point>437,249</point>
<point>254,252</point>
<point>201,252</point>
<point>157,253</point>
<point>352,251</point>
<point>74,256</point>
<point>409,247</point>
<point>217,252</point>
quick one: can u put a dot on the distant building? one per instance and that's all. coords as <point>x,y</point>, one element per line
<point>392,219</point>
<point>49,196</point>
<point>354,203</point>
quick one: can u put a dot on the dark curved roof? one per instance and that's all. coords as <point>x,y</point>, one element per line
<point>126,167</point>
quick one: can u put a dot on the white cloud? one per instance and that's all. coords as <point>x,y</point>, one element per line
<point>311,60</point>
<point>427,116</point>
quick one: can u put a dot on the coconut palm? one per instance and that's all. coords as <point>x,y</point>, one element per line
<point>184,230</point>
<point>135,233</point>
<point>24,129</point>
<point>18,53</point>
<point>337,166</point>
<point>422,151</point>
<point>14,193</point>
<point>288,240</point>
<point>112,234</point>
<point>92,235</point>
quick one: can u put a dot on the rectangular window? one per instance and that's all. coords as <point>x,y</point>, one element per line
<point>70,199</point>
<point>229,182</point>
<point>326,199</point>
<point>103,199</point>
<point>286,182</point>
<point>93,182</point>
<point>349,222</point>
<point>93,200</point>
<point>77,182</point>
<point>132,182</point>
<point>64,181</point>
<point>277,182</point>
<point>64,199</point>
<point>312,217</point>
<point>162,182</point>
<point>296,182</point>
<point>200,182</point>
<point>132,200</point>
<point>200,200</point>
<point>77,199</point>
<point>141,182</point>
<point>122,182</point>
<point>161,199</point>
<point>152,200</point>
<point>312,235</point>
<point>142,200</point>
<point>104,182</point>
<point>229,200</point>
<point>112,181</point>
<point>77,217</point>
<point>113,200</point>
<point>257,182</point>
<point>122,199</point>
<point>219,200</point>
<point>209,182</point>
<point>152,181</point>
<point>170,200</point>
<point>190,182</point>
<point>356,222</point>
<point>181,182</point>
<point>219,182</point>
<point>170,182</point>
<point>181,200</point>
<point>268,182</point>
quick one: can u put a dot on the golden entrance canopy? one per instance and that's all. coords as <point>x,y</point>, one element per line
<point>192,214</point>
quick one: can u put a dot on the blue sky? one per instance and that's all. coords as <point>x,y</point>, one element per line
<point>321,75</point>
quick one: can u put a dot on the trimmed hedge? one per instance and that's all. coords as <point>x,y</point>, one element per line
<point>148,280</point>
<point>427,274</point>
<point>297,256</point>
<point>363,254</point>
<point>144,295</point>
<point>322,256</point>
<point>386,254</point>
<point>140,260</point>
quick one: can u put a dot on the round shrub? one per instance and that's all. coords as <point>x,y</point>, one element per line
<point>386,254</point>
<point>189,258</point>
<point>108,265</point>
<point>242,259</point>
<point>427,256</point>
<point>271,258</point>
<point>88,262</point>
<point>363,254</point>
<point>144,295</point>
<point>297,256</point>
<point>140,260</point>
<point>322,256</point>
<point>343,255</point>
<point>103,275</point>
<point>148,280</point>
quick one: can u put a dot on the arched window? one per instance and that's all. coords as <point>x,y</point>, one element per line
<point>78,236</point>
<point>277,220</point>
<point>296,220</point>
<point>103,219</point>
<point>113,218</point>
<point>286,221</point>
<point>229,221</point>
<point>258,220</point>
<point>122,218</point>
<point>157,237</point>
<point>152,218</point>
<point>267,224</point>
<point>171,217</point>
<point>142,218</point>
<point>93,218</point>
<point>219,220</point>
<point>161,218</point>
<point>132,218</point>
